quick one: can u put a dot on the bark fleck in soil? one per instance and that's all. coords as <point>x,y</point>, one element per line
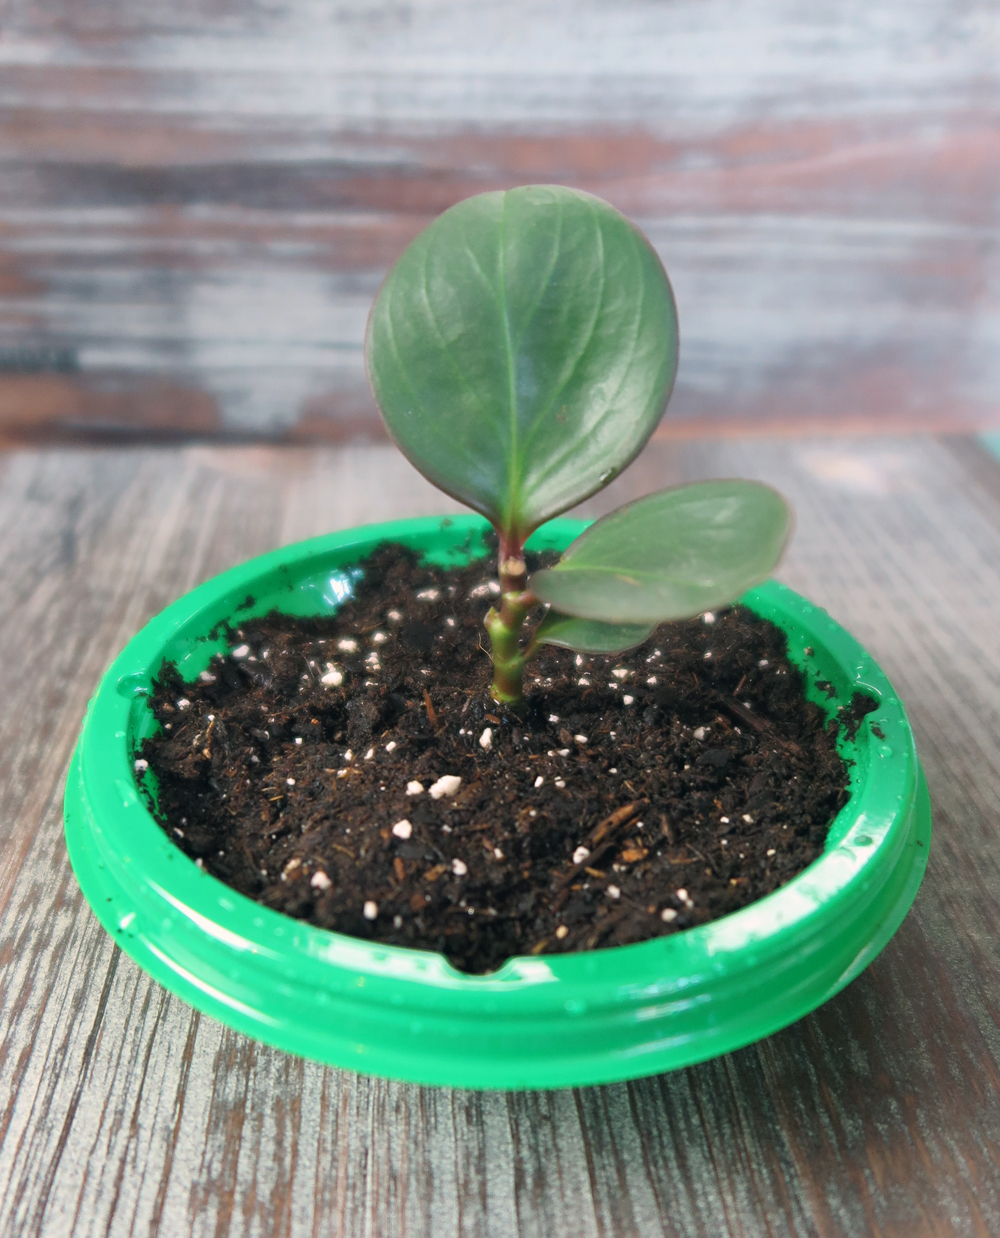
<point>354,772</point>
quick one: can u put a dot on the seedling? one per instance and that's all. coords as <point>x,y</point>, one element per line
<point>522,351</point>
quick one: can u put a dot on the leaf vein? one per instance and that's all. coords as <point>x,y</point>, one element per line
<point>581,353</point>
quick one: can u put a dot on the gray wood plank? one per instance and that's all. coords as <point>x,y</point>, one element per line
<point>198,201</point>
<point>122,1112</point>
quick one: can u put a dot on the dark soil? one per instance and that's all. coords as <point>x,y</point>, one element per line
<point>691,769</point>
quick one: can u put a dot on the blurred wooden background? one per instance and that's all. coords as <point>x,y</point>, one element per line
<point>199,198</point>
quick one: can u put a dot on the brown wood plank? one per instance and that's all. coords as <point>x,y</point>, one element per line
<point>198,203</point>
<point>122,1112</point>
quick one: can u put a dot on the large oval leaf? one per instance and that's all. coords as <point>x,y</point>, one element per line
<point>523,349</point>
<point>670,555</point>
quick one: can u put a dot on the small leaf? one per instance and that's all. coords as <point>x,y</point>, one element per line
<point>590,635</point>
<point>670,555</point>
<point>522,350</point>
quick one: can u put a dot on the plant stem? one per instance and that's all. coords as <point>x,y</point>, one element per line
<point>504,626</point>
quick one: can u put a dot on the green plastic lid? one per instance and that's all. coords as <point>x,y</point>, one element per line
<point>541,1022</point>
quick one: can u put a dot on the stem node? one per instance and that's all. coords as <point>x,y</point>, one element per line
<point>504,626</point>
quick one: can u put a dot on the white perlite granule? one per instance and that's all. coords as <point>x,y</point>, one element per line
<point>445,787</point>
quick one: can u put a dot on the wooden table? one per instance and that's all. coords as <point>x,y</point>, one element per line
<point>126,1113</point>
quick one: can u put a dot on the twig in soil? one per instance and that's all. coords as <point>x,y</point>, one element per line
<point>560,899</point>
<point>429,706</point>
<point>616,819</point>
<point>602,834</point>
<point>609,922</point>
<point>704,859</point>
<point>578,869</point>
<point>743,714</point>
<point>761,725</point>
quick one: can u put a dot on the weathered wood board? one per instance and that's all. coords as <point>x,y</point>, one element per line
<point>197,201</point>
<point>122,1112</point>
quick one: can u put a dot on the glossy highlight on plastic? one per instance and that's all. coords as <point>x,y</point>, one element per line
<point>542,1022</point>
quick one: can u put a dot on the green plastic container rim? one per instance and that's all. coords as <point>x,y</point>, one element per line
<point>542,1022</point>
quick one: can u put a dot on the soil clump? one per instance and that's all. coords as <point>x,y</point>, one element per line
<point>354,772</point>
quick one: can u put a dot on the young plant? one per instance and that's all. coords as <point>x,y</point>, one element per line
<point>522,351</point>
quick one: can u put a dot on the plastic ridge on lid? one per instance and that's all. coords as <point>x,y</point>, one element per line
<point>542,1022</point>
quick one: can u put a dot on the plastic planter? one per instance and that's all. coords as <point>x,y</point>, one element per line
<point>542,1022</point>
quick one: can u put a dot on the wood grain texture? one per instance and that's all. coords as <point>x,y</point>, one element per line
<point>123,1112</point>
<point>198,200</point>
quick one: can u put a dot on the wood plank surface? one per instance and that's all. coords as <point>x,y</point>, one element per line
<point>123,1112</point>
<point>198,201</point>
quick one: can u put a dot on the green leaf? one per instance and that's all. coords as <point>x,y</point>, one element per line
<point>670,555</point>
<point>522,350</point>
<point>590,635</point>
